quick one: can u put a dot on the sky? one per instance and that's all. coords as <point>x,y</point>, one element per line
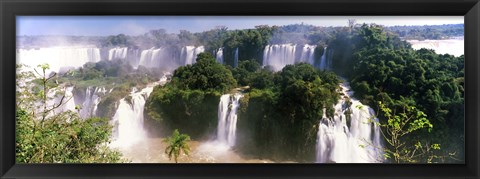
<point>137,25</point>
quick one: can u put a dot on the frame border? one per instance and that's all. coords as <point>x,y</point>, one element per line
<point>9,9</point>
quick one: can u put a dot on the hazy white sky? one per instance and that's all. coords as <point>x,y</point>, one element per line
<point>136,25</point>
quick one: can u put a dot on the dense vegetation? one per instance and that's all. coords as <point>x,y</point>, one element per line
<point>287,104</point>
<point>46,136</point>
<point>189,102</point>
<point>279,113</point>
<point>280,120</point>
<point>380,67</point>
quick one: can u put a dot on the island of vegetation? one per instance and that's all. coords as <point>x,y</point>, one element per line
<point>418,95</point>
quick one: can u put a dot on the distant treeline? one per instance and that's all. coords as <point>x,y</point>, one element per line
<point>434,32</point>
<point>222,37</point>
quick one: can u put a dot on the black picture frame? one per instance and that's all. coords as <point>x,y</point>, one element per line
<point>9,9</point>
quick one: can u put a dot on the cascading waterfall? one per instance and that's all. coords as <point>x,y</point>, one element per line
<point>149,58</point>
<point>323,59</point>
<point>92,99</point>
<point>128,119</point>
<point>189,53</point>
<point>219,55</point>
<point>235,58</point>
<point>227,118</point>
<point>354,140</point>
<point>60,99</point>
<point>133,56</point>
<point>279,55</point>
<point>59,58</point>
<point>117,53</point>
<point>70,104</point>
<point>307,55</point>
<point>169,58</point>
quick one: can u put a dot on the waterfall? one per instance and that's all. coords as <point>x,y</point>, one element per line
<point>227,118</point>
<point>59,58</point>
<point>189,54</point>
<point>55,96</point>
<point>92,99</point>
<point>169,58</point>
<point>323,59</point>
<point>235,58</point>
<point>117,53</point>
<point>128,119</point>
<point>358,142</point>
<point>279,55</point>
<point>162,57</point>
<point>307,55</point>
<point>150,57</point>
<point>219,55</point>
<point>70,104</point>
<point>133,56</point>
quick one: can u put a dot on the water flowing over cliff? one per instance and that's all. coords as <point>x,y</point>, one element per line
<point>59,58</point>
<point>117,53</point>
<point>227,118</point>
<point>235,59</point>
<point>279,55</point>
<point>219,55</point>
<point>351,136</point>
<point>128,119</point>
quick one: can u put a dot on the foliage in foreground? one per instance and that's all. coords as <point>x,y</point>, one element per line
<point>176,144</point>
<point>397,132</point>
<point>44,134</point>
<point>381,67</point>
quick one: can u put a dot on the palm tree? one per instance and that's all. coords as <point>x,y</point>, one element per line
<point>176,144</point>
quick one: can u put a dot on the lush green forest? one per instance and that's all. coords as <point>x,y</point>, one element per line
<point>380,67</point>
<point>280,108</point>
<point>280,111</point>
<point>44,136</point>
<point>283,105</point>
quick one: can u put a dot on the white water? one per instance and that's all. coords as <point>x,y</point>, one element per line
<point>90,103</point>
<point>307,55</point>
<point>189,53</point>
<point>453,47</point>
<point>227,118</point>
<point>169,59</point>
<point>59,58</point>
<point>128,119</point>
<point>149,58</point>
<point>359,143</point>
<point>279,55</point>
<point>323,59</point>
<point>69,103</point>
<point>235,58</point>
<point>117,53</point>
<point>219,55</point>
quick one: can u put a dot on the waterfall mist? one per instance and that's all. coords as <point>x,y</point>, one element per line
<point>227,118</point>
<point>128,119</point>
<point>356,139</point>
<point>279,55</point>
